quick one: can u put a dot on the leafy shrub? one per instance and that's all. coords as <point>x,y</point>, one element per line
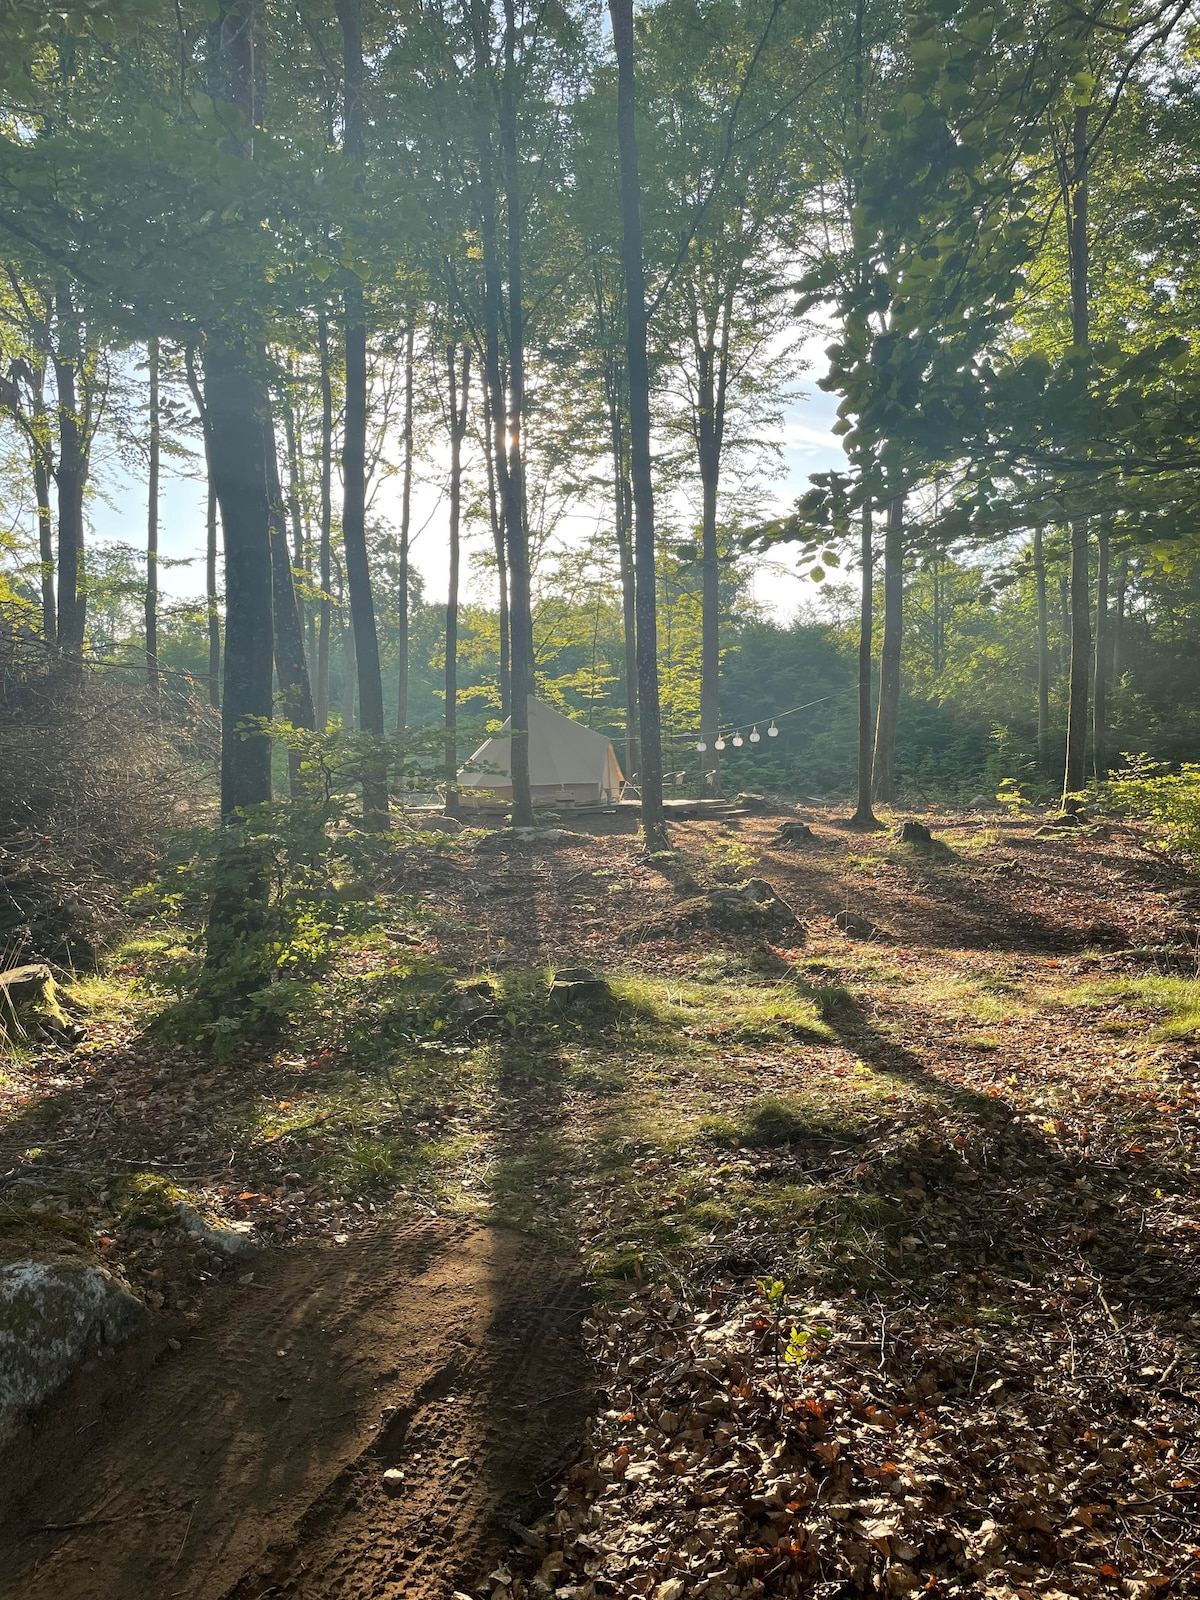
<point>1168,801</point>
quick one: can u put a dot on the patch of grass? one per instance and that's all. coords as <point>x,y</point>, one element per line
<point>985,999</point>
<point>1169,1008</point>
<point>774,1120</point>
<point>865,864</point>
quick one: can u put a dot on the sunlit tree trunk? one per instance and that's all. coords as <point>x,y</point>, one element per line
<point>1043,653</point>
<point>405,530</point>
<point>211,605</point>
<point>1075,200</point>
<point>295,691</point>
<point>889,661</point>
<point>1100,686</point>
<point>236,408</point>
<point>155,450</point>
<point>653,816</point>
<point>516,528</point>
<point>1118,620</point>
<point>325,550</point>
<point>458,392</point>
<point>40,462</point>
<point>864,812</point>
<point>496,523</point>
<point>354,454</point>
<point>70,475</point>
<point>622,517</point>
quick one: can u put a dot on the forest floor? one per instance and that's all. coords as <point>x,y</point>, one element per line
<point>836,1265</point>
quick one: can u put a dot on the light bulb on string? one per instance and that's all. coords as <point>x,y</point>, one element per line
<point>738,741</point>
<point>701,746</point>
<point>755,736</point>
<point>720,744</point>
<point>772,731</point>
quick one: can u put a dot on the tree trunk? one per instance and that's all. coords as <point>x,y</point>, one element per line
<point>212,609</point>
<point>520,599</point>
<point>70,476</point>
<point>349,678</point>
<point>1075,196</point>
<point>864,813</point>
<point>1075,775</point>
<point>1118,621</point>
<point>405,529</point>
<point>324,555</point>
<point>152,521</point>
<point>889,663</point>
<point>1043,654</point>
<point>1100,687</point>
<point>236,406</point>
<point>496,522</point>
<point>709,455</point>
<point>622,515</point>
<point>458,397</point>
<point>295,690</point>
<point>354,457</point>
<point>40,463</point>
<point>623,518</point>
<point>301,561</point>
<point>653,816</point>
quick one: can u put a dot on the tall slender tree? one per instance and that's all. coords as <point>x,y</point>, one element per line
<point>641,471</point>
<point>354,447</point>
<point>152,476</point>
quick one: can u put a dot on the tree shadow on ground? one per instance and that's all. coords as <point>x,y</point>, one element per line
<point>1021,1206</point>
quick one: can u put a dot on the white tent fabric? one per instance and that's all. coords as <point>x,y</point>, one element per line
<point>567,762</point>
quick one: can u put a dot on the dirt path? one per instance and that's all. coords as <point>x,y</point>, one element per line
<point>249,1461</point>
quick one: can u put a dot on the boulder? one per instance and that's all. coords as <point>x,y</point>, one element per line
<point>230,1238</point>
<point>53,1315</point>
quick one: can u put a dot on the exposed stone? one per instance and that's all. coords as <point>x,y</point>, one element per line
<point>53,1315</point>
<point>230,1238</point>
<point>393,1482</point>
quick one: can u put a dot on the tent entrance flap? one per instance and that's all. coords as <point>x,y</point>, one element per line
<point>568,763</point>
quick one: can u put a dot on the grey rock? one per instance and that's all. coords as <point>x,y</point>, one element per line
<point>854,926</point>
<point>230,1238</point>
<point>53,1315</point>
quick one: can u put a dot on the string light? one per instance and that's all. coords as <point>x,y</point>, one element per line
<point>700,745</point>
<point>772,731</point>
<point>755,736</point>
<point>738,741</point>
<point>720,744</point>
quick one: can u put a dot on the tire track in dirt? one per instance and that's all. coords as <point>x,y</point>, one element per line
<point>250,1462</point>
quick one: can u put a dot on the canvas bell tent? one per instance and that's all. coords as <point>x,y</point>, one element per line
<point>569,765</point>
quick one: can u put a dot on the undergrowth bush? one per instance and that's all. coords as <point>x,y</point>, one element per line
<point>93,775</point>
<point>1168,800</point>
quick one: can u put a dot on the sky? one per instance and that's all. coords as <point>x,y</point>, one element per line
<point>118,509</point>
